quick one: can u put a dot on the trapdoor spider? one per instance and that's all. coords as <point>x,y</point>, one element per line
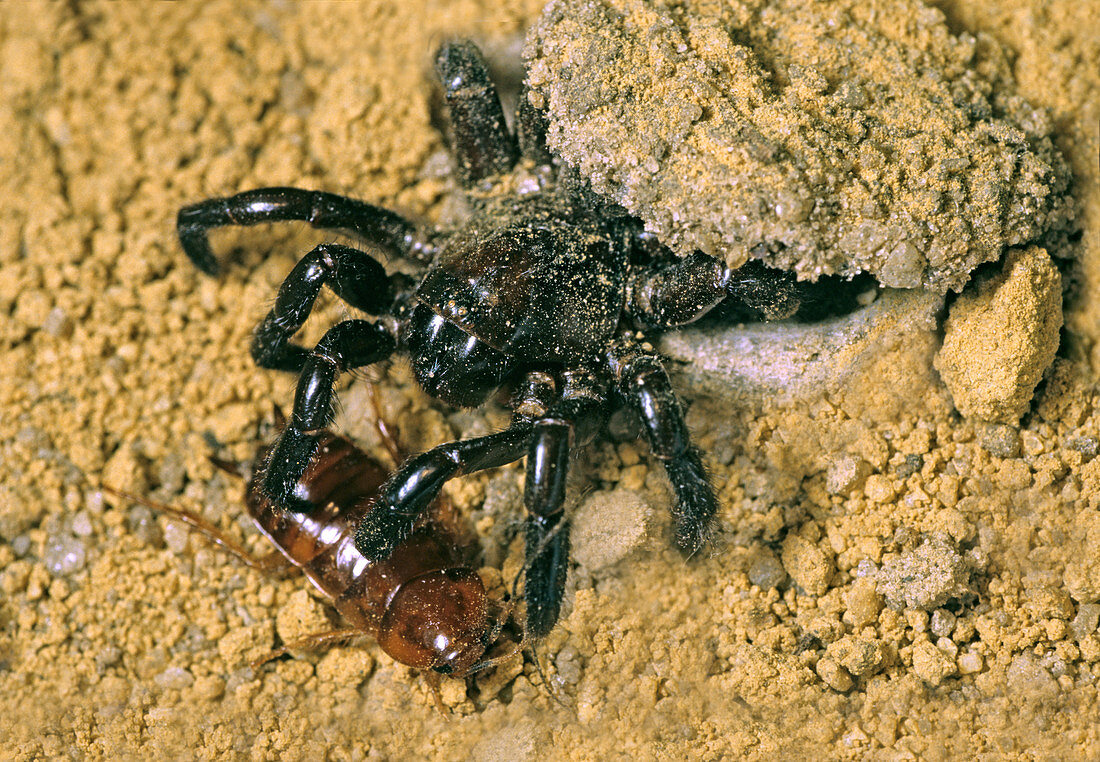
<point>544,292</point>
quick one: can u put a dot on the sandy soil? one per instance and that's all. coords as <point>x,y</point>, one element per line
<point>123,636</point>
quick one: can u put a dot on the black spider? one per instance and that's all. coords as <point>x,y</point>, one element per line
<point>545,292</point>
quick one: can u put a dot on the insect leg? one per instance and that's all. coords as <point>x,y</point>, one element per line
<point>354,275</point>
<point>645,384</point>
<point>329,211</point>
<point>483,146</point>
<point>273,563</point>
<point>350,344</point>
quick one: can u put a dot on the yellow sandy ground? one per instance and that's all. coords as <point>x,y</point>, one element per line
<point>122,636</point>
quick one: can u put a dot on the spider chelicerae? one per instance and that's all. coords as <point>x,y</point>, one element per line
<point>550,293</point>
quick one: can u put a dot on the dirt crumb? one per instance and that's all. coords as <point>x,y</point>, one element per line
<point>931,664</point>
<point>607,526</point>
<point>1000,337</point>
<point>925,577</point>
<point>820,137</point>
<point>809,566</point>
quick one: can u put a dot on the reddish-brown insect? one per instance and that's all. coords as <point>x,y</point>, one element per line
<point>425,605</point>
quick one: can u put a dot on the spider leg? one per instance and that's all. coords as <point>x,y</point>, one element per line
<point>683,290</point>
<point>379,226</point>
<point>415,485</point>
<point>643,381</point>
<point>350,344</point>
<point>483,146</point>
<point>570,423</point>
<point>776,294</point>
<point>354,275</point>
<point>531,126</point>
<point>547,535</point>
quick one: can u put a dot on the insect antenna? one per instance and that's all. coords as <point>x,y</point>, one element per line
<point>269,564</point>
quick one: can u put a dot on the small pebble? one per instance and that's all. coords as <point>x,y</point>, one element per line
<point>809,566</point>
<point>106,657</point>
<point>1086,621</point>
<point>942,623</point>
<point>846,474</point>
<point>568,666</point>
<point>1031,443</point>
<point>917,619</point>
<point>82,524</point>
<point>174,678</point>
<point>1027,676</point>
<point>176,537</point>
<point>1087,446</point>
<point>863,602</point>
<point>931,664</point>
<point>911,465</point>
<point>766,571</point>
<point>969,663</point>
<point>58,324</point>
<point>859,656</point>
<point>879,489</point>
<point>21,545</point>
<point>144,526</point>
<point>924,578</point>
<point>209,688</point>
<point>1001,440</point>
<point>834,675</point>
<point>302,615</point>
<point>64,554</point>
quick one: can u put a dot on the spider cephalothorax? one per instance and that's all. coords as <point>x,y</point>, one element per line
<point>546,292</point>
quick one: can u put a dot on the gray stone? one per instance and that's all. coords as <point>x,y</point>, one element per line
<point>793,361</point>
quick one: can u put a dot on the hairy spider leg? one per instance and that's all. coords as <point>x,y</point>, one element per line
<point>679,292</point>
<point>327,211</point>
<point>349,344</point>
<point>645,384</point>
<point>483,146</point>
<point>355,276</point>
<point>775,294</point>
<point>572,422</point>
